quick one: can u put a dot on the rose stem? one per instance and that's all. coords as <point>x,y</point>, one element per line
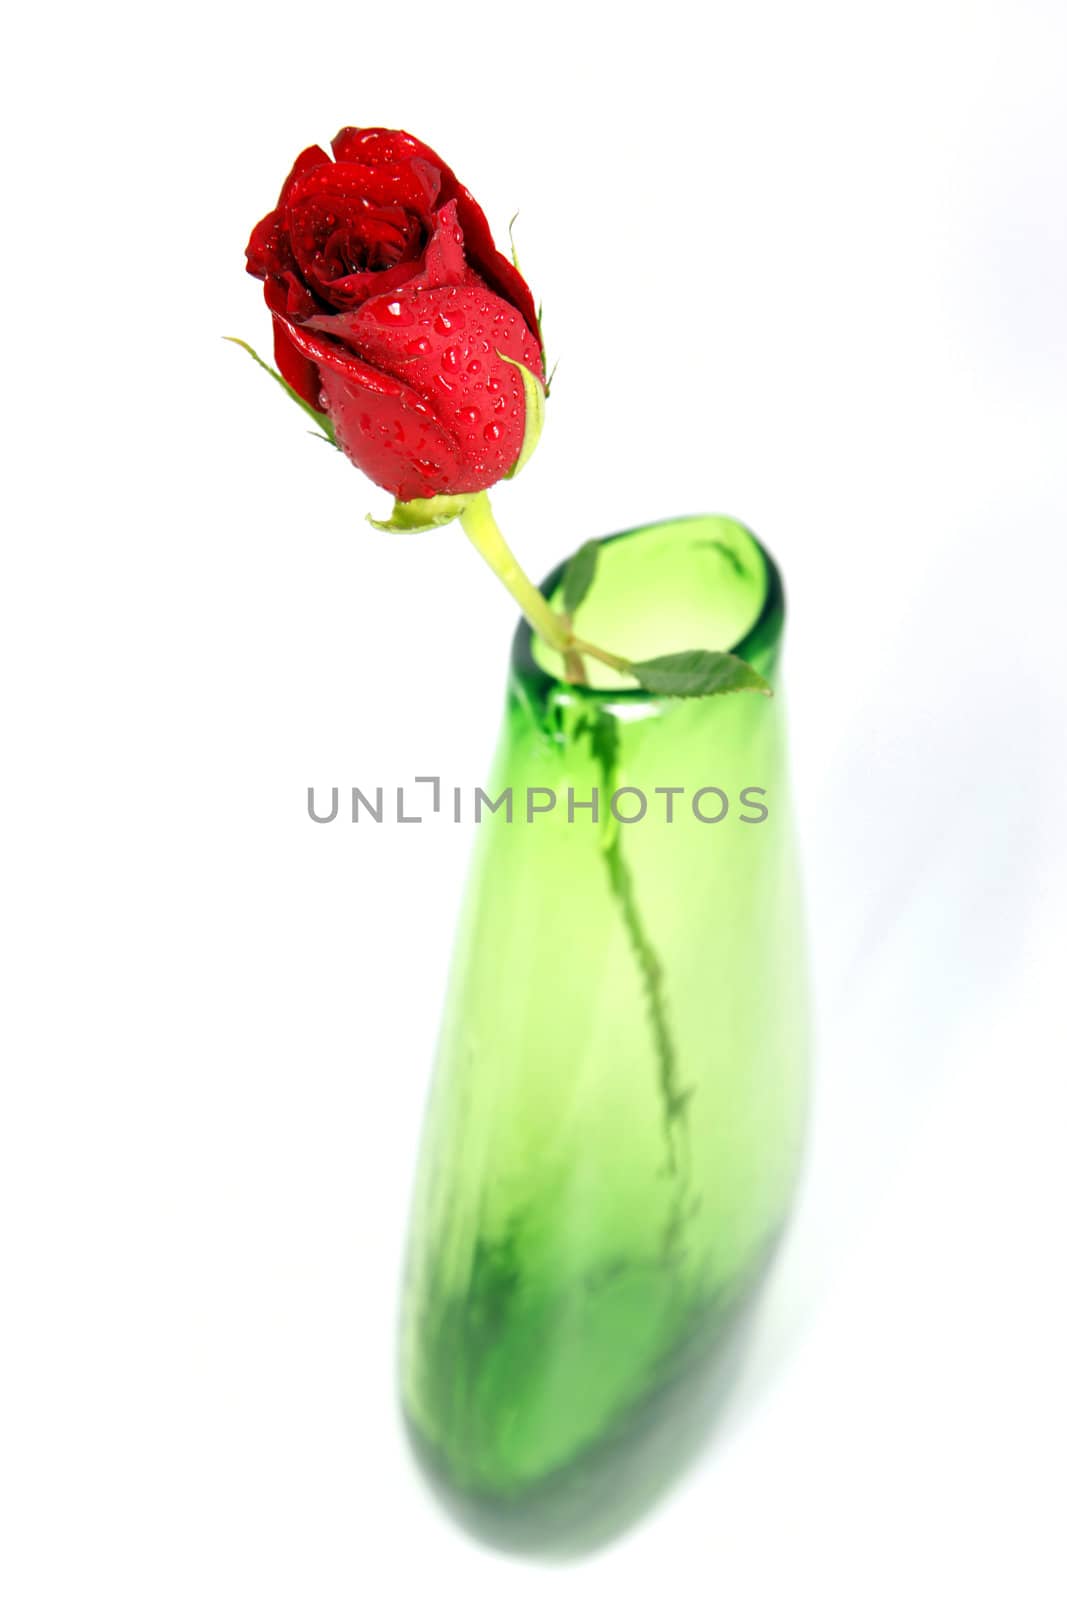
<point>573,665</point>
<point>617,663</point>
<point>480,526</point>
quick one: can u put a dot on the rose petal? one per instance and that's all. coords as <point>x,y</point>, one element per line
<point>267,250</point>
<point>351,291</point>
<point>443,262</point>
<point>445,258</point>
<point>390,145</point>
<point>442,344</point>
<point>288,294</point>
<point>306,161</point>
<point>389,432</point>
<point>379,146</point>
<point>329,353</point>
<point>414,188</point>
<point>394,438</point>
<point>295,367</point>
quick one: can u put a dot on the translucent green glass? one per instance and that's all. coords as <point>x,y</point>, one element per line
<point>619,1098</point>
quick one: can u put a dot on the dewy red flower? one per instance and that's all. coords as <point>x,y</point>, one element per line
<point>396,315</point>
<point>397,318</point>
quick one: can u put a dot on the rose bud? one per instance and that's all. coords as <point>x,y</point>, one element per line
<point>397,317</point>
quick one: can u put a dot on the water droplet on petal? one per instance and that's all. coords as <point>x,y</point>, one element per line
<point>392,313</point>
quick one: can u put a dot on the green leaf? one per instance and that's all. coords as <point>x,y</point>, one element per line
<point>693,673</point>
<point>418,516</point>
<point>322,423</point>
<point>578,577</point>
<point>511,242</point>
<point>535,413</point>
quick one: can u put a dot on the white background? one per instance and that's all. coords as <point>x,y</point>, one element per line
<point>805,264</point>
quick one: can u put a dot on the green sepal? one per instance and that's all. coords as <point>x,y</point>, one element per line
<point>418,516</point>
<point>540,308</point>
<point>691,674</point>
<point>322,422</point>
<point>535,413</point>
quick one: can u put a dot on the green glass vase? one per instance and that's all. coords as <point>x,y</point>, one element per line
<point>618,1103</point>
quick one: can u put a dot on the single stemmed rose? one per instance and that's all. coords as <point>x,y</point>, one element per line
<point>396,315</point>
<point>416,346</point>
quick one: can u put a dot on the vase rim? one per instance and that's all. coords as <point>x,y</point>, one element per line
<point>759,639</point>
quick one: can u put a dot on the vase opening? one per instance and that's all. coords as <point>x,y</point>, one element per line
<point>701,582</point>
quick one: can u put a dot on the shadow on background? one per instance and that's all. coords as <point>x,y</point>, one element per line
<point>923,855</point>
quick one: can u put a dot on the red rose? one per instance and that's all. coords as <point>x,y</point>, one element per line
<point>393,312</point>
